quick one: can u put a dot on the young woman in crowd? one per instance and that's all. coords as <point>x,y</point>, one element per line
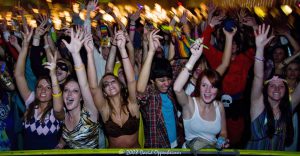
<point>81,124</point>
<point>41,126</point>
<point>203,107</point>
<point>116,103</point>
<point>271,110</point>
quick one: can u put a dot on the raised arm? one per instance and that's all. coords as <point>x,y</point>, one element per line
<point>58,104</point>
<point>257,103</point>
<point>77,39</point>
<point>172,49</point>
<point>285,32</point>
<point>153,40</point>
<point>130,48</point>
<point>182,97</point>
<point>186,27</point>
<point>133,19</point>
<point>96,91</point>
<point>13,41</point>
<point>227,51</point>
<point>111,60</point>
<point>128,70</point>
<point>20,66</point>
<point>92,5</point>
<point>40,30</point>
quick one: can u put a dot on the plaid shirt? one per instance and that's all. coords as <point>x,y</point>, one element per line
<point>156,135</point>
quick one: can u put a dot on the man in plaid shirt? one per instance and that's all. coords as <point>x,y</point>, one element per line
<point>162,127</point>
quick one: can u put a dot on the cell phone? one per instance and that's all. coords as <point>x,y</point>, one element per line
<point>229,24</point>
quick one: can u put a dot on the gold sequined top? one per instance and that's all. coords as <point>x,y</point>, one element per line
<point>84,135</point>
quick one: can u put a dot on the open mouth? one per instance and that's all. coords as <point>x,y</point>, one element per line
<point>69,101</point>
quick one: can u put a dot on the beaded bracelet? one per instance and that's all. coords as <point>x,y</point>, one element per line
<point>57,95</point>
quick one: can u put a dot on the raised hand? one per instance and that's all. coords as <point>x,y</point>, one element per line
<point>249,21</point>
<point>13,41</point>
<point>153,40</point>
<point>241,15</point>
<point>197,48</point>
<point>51,64</point>
<point>27,36</point>
<point>135,16</point>
<point>92,5</point>
<point>121,40</point>
<point>215,20</point>
<point>230,34</point>
<point>40,30</point>
<point>77,39</point>
<point>89,43</point>
<point>261,36</point>
<point>183,18</point>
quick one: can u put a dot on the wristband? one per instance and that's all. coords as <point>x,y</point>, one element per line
<point>46,46</point>
<point>57,95</point>
<point>188,67</point>
<point>261,59</point>
<point>79,67</point>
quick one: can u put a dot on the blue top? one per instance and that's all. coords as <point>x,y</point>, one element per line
<point>259,139</point>
<point>169,118</point>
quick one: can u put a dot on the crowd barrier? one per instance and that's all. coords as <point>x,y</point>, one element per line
<point>146,152</point>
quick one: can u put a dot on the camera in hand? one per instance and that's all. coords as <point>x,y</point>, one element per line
<point>229,24</point>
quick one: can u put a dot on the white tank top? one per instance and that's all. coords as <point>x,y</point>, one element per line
<point>198,127</point>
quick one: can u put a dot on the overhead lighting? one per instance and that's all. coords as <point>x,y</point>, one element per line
<point>286,9</point>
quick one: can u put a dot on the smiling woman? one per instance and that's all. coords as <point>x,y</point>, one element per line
<point>81,126</point>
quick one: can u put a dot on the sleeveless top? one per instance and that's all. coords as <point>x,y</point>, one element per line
<point>198,127</point>
<point>130,127</point>
<point>259,139</point>
<point>40,135</point>
<point>84,135</point>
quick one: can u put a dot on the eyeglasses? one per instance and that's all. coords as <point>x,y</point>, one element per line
<point>62,66</point>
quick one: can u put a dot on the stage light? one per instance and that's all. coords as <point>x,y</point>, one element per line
<point>259,11</point>
<point>286,9</point>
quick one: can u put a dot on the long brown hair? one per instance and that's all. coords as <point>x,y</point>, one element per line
<point>285,117</point>
<point>30,111</point>
<point>123,92</point>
